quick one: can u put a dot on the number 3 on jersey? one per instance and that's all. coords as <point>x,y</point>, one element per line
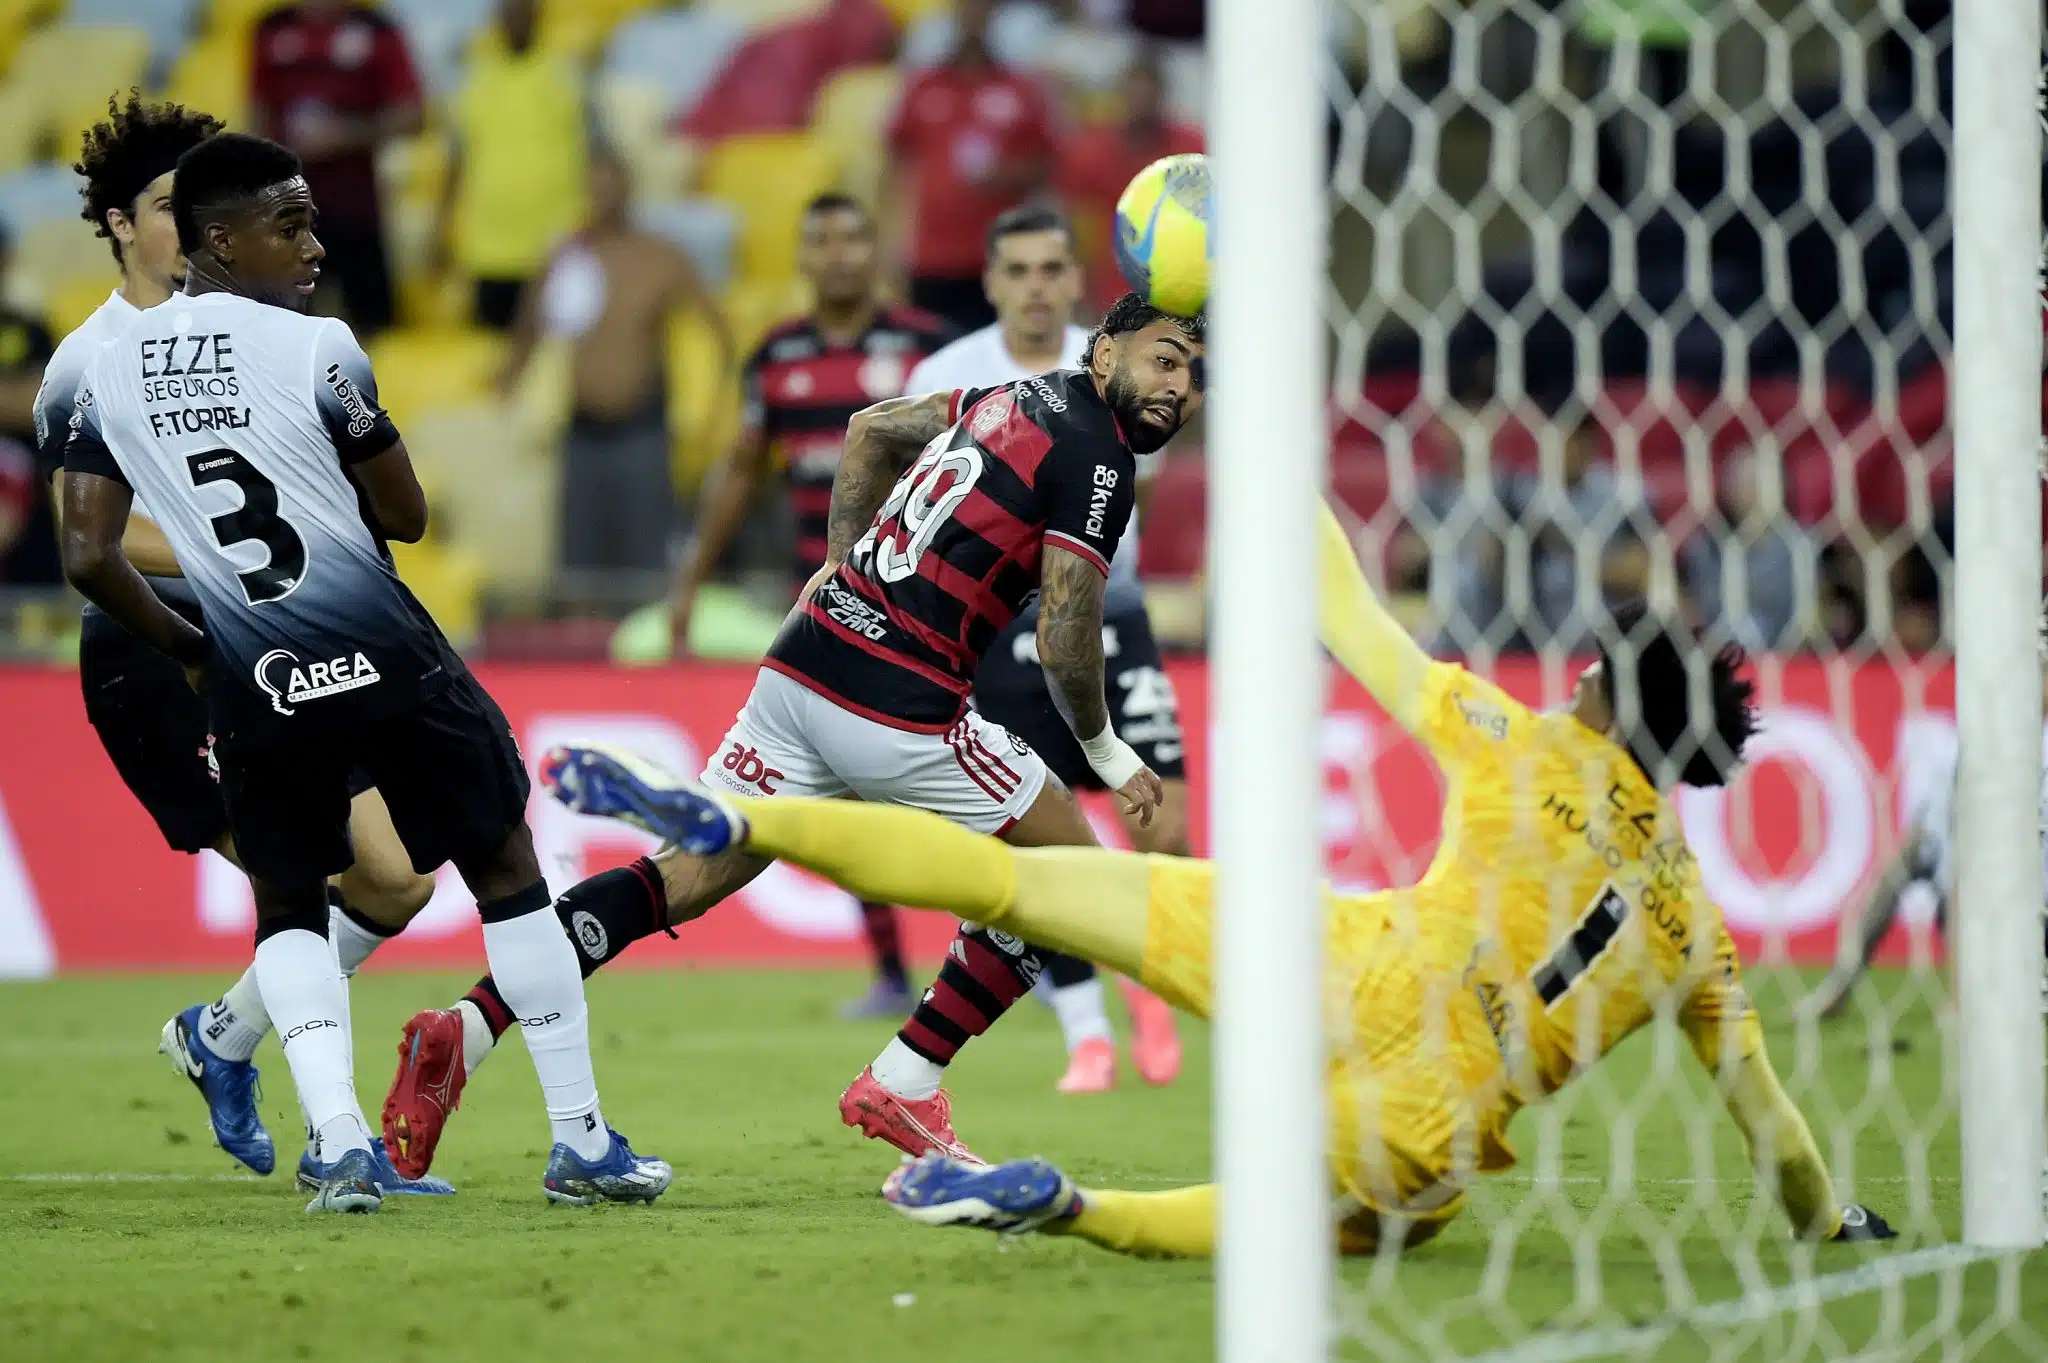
<point>256,520</point>
<point>923,500</point>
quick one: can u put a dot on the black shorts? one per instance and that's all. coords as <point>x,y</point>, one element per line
<point>448,769</point>
<point>1010,689</point>
<point>154,727</point>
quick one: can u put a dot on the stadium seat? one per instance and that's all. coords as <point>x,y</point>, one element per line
<point>703,400</point>
<point>1017,36</point>
<point>634,114</point>
<point>849,119</point>
<point>37,194</point>
<point>762,13</point>
<point>21,133</point>
<point>767,178</point>
<point>56,255</point>
<point>704,228</point>
<point>679,52</point>
<point>420,369</point>
<point>52,62</point>
<point>754,306</point>
<point>449,582</point>
<point>237,17</point>
<point>213,74</point>
<point>908,12</point>
<point>73,300</point>
<point>495,482</point>
<point>169,23</point>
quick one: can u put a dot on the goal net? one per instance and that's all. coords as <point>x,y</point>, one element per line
<point>1656,298</point>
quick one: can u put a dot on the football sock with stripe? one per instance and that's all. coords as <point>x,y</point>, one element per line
<point>236,1022</point>
<point>984,973</point>
<point>305,996</point>
<point>535,970</point>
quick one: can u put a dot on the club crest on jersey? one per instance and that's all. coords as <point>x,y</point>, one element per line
<point>290,683</point>
<point>353,407</point>
<point>995,409</point>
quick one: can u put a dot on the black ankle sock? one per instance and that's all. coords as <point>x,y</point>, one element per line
<point>609,912</point>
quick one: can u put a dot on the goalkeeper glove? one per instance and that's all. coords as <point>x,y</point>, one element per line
<point>1860,1223</point>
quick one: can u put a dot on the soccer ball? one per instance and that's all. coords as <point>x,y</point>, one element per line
<point>1163,237</point>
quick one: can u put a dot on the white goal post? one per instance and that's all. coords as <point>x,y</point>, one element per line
<point>1266,351</point>
<point>1997,211</point>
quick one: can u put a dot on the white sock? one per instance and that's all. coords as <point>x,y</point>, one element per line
<point>348,1021</point>
<point>237,1021</point>
<point>904,1072</point>
<point>477,1041</point>
<point>536,971</point>
<point>1083,1012</point>
<point>304,995</point>
<point>353,943</point>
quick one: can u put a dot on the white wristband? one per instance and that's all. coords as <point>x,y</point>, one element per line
<point>1111,758</point>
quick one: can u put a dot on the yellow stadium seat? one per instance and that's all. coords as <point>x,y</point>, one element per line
<point>494,482</point>
<point>71,70</point>
<point>213,74</point>
<point>21,131</point>
<point>72,300</point>
<point>764,13</point>
<point>237,17</point>
<point>449,582</point>
<point>703,399</point>
<point>753,306</point>
<point>848,120</point>
<point>767,178</point>
<point>908,12</point>
<point>419,370</point>
<point>55,256</point>
<point>634,115</point>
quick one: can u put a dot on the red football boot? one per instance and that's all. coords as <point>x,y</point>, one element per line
<point>427,1089</point>
<point>912,1125</point>
<point>1155,1039</point>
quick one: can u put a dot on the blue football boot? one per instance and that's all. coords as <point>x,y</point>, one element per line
<point>610,783</point>
<point>1013,1198</point>
<point>389,1181</point>
<point>350,1185</point>
<point>228,1086</point>
<point>620,1176</point>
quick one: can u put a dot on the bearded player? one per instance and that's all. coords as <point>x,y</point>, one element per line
<point>1563,912</point>
<point>151,723</point>
<point>949,510</point>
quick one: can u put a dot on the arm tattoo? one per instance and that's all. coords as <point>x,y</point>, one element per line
<point>880,443</point>
<point>1070,639</point>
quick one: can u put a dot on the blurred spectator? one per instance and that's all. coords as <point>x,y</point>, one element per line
<point>771,80</point>
<point>334,81</point>
<point>803,385</point>
<point>609,292</point>
<point>1752,577</point>
<point>1101,159</point>
<point>1584,547</point>
<point>515,178</point>
<point>971,138</point>
<point>28,544</point>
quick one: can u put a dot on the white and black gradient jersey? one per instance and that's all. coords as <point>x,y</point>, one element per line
<point>981,360</point>
<point>54,400</point>
<point>1932,826</point>
<point>234,423</point>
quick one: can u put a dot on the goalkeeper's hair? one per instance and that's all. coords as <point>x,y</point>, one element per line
<point>124,153</point>
<point>1132,313</point>
<point>1683,714</point>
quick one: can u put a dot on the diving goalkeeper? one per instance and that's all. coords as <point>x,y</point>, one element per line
<point>1562,912</point>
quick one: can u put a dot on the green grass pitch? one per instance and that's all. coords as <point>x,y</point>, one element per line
<point>125,1235</point>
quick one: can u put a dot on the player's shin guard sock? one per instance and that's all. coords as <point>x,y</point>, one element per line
<point>886,941</point>
<point>535,970</point>
<point>609,912</point>
<point>984,974</point>
<point>1180,1223</point>
<point>485,1017</point>
<point>887,853</point>
<point>240,1018</point>
<point>295,967</point>
<point>355,936</point>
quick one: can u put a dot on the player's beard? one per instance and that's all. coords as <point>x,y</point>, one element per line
<point>1142,436</point>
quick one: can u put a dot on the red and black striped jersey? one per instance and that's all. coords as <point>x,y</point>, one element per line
<point>802,389</point>
<point>954,553</point>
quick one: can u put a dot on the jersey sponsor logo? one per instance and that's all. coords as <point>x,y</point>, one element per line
<point>845,608</point>
<point>543,1020</point>
<point>590,934</point>
<point>1052,396</point>
<point>746,765</point>
<point>310,681</point>
<point>1098,499</point>
<point>304,1027</point>
<point>360,418</point>
<point>1485,718</point>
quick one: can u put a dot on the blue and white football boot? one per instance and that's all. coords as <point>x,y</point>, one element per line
<point>593,779</point>
<point>621,1176</point>
<point>391,1183</point>
<point>350,1185</point>
<point>1012,1198</point>
<point>228,1086</point>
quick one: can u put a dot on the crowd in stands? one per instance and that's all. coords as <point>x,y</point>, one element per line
<point>1715,377</point>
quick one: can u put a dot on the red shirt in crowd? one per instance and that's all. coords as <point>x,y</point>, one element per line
<point>349,62</point>
<point>1094,168</point>
<point>953,129</point>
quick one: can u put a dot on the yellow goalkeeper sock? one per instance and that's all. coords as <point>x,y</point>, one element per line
<point>1177,1224</point>
<point>887,853</point>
